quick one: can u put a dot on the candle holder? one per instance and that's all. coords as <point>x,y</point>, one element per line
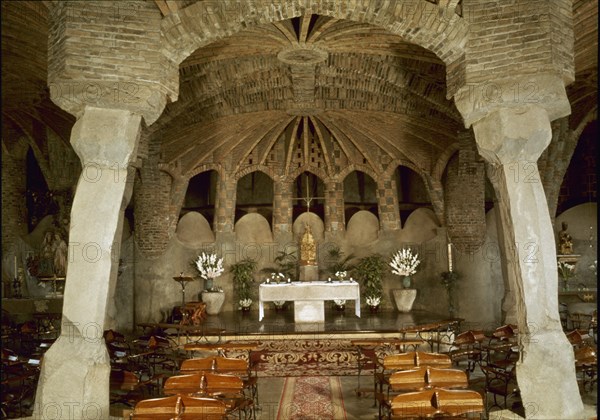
<point>183,282</point>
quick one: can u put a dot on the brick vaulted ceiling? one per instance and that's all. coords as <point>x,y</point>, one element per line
<point>325,86</point>
<point>343,92</point>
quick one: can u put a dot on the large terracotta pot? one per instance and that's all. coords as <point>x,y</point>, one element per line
<point>214,301</point>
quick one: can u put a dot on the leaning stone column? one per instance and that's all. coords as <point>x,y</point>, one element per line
<point>511,140</point>
<point>74,381</point>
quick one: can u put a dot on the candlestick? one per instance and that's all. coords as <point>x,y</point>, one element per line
<point>450,257</point>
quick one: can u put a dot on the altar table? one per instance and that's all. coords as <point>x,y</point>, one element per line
<point>309,297</point>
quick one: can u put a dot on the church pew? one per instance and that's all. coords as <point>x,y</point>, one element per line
<point>436,402</point>
<point>179,407</point>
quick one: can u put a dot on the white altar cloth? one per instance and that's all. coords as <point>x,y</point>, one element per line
<point>308,297</point>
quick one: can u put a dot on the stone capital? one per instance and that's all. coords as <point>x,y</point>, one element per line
<point>139,97</point>
<point>106,137</point>
<point>477,100</point>
<point>513,134</point>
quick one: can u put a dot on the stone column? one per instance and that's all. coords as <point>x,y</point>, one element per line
<point>511,140</point>
<point>225,204</point>
<point>74,381</point>
<point>387,201</point>
<point>334,207</point>
<point>282,207</point>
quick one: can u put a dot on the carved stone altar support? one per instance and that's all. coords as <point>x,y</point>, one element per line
<point>308,273</point>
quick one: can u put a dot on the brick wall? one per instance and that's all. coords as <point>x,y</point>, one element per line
<point>109,54</point>
<point>334,207</point>
<point>465,196</point>
<point>538,32</point>
<point>387,197</point>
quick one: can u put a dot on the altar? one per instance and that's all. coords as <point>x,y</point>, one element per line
<point>309,297</point>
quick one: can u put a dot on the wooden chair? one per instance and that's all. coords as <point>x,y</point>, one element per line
<point>499,382</point>
<point>467,346</point>
<point>586,366</point>
<point>193,313</point>
<point>436,402</point>
<point>126,386</point>
<point>184,384</point>
<point>179,407</point>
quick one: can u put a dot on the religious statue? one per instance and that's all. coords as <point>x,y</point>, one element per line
<point>565,241</point>
<point>308,249</point>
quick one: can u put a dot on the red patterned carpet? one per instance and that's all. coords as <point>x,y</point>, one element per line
<point>312,398</point>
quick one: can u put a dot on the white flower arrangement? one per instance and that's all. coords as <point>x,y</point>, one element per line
<point>209,266</point>
<point>244,303</point>
<point>373,300</point>
<point>341,275</point>
<point>277,277</point>
<point>594,267</point>
<point>566,270</point>
<point>404,263</point>
<point>339,302</point>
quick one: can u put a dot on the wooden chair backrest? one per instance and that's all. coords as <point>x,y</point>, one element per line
<point>193,313</point>
<point>179,407</point>
<point>436,402</point>
<point>157,408</point>
<point>409,380</point>
<point>198,364</point>
<point>183,384</point>
<point>446,378</point>
<point>586,353</point>
<point>221,383</point>
<point>426,377</point>
<point>506,331</point>
<point>432,359</point>
<point>414,359</point>
<point>399,361</point>
<point>230,364</point>
<point>123,380</point>
<point>156,341</point>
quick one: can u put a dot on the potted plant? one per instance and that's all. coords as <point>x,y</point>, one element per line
<point>369,271</point>
<point>404,263</point>
<point>243,277</point>
<point>449,279</point>
<point>210,267</point>
<point>339,268</point>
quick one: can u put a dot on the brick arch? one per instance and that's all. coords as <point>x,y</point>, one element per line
<point>186,31</point>
<point>255,168</point>
<point>442,161</point>
<point>205,168</point>
<point>354,167</point>
<point>323,176</point>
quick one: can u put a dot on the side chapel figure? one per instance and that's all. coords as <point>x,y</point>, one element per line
<point>308,249</point>
<point>565,241</point>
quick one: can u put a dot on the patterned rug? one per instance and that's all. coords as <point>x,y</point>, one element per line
<point>312,398</point>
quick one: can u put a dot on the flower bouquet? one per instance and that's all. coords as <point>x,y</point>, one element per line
<point>566,271</point>
<point>209,266</point>
<point>404,263</point>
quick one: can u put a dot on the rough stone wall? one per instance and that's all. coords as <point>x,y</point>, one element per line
<point>465,196</point>
<point>539,32</point>
<point>14,206</point>
<point>90,64</point>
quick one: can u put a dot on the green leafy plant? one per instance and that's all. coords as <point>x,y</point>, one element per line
<point>286,264</point>
<point>243,278</point>
<point>338,262</point>
<point>369,271</point>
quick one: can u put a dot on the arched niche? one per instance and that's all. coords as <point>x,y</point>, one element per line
<point>360,193</point>
<point>254,195</point>
<point>412,192</point>
<point>201,195</point>
<point>309,193</point>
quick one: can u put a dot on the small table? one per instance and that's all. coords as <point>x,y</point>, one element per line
<point>309,297</point>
